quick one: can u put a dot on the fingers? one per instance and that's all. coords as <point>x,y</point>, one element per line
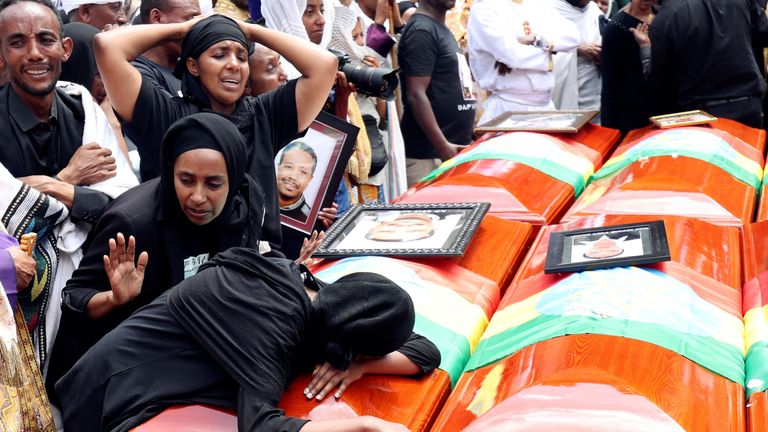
<point>342,388</point>
<point>334,381</point>
<point>142,264</point>
<point>130,251</point>
<point>113,258</point>
<point>121,252</point>
<point>320,378</point>
<point>90,146</point>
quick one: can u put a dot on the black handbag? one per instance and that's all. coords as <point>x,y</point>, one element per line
<point>378,148</point>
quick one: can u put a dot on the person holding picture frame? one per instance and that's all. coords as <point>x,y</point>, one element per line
<point>214,71</point>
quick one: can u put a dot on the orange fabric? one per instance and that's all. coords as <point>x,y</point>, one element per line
<point>592,366</point>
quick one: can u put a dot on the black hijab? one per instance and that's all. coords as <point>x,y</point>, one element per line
<point>239,223</point>
<point>81,66</point>
<point>211,30</point>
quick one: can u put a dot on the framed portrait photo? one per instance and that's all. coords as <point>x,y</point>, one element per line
<point>538,121</point>
<point>403,230</point>
<point>686,118</point>
<point>609,246</point>
<point>309,170</point>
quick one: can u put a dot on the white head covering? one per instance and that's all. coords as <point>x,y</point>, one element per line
<point>285,15</point>
<point>341,37</point>
<point>69,5</point>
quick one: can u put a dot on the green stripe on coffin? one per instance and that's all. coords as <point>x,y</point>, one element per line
<point>445,317</point>
<point>638,303</point>
<point>537,151</point>
<point>757,368</point>
<point>705,145</point>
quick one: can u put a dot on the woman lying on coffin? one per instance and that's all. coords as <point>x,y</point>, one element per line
<point>214,71</point>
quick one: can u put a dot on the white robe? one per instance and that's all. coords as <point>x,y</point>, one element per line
<point>493,29</point>
<point>577,80</point>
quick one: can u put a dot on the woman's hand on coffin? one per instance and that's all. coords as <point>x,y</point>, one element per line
<point>309,246</point>
<point>25,267</point>
<point>125,277</point>
<point>325,378</point>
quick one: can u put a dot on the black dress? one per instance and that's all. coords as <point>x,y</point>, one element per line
<point>625,100</point>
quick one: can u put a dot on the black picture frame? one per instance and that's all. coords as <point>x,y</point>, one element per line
<point>403,230</point>
<point>332,140</point>
<point>538,121</point>
<point>607,246</point>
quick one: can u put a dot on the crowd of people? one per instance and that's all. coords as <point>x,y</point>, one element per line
<point>154,146</point>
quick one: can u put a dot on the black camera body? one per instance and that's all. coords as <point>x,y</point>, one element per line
<point>378,82</point>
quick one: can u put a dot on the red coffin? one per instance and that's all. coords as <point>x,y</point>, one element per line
<point>674,185</point>
<point>515,191</point>
<point>593,382</point>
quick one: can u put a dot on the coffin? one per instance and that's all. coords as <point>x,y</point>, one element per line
<point>652,348</point>
<point>755,307</point>
<point>526,176</point>
<point>708,172</point>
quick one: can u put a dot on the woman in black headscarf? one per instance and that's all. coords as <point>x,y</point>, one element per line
<point>214,71</point>
<point>202,204</point>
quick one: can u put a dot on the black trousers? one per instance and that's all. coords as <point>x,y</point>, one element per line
<point>748,111</point>
<point>143,366</point>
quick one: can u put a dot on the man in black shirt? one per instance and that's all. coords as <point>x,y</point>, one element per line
<point>157,63</point>
<point>701,58</point>
<point>42,126</point>
<point>439,102</point>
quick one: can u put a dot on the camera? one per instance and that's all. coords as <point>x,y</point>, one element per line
<point>379,82</point>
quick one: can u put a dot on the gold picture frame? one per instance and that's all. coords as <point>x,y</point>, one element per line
<point>685,118</point>
<point>538,121</point>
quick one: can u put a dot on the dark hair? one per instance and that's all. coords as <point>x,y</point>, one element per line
<point>300,145</point>
<point>4,4</point>
<point>147,6</point>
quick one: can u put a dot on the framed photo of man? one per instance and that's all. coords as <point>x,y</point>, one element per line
<point>310,168</point>
<point>403,230</point>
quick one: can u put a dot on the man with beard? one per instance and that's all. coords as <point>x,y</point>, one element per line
<point>58,141</point>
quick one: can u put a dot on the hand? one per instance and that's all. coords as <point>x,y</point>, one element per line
<point>501,68</point>
<point>371,61</point>
<point>326,377</point>
<point>308,247</point>
<point>89,165</point>
<point>641,34</point>
<point>328,215</point>
<point>449,151</point>
<point>125,278</point>
<point>343,90</point>
<point>59,190</point>
<point>526,40</point>
<point>590,50</point>
<point>25,265</point>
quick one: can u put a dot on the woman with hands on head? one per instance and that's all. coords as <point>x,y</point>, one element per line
<point>214,71</point>
<point>202,204</point>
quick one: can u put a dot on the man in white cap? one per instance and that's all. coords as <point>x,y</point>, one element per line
<point>97,13</point>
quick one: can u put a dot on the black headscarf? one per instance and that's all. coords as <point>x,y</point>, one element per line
<point>211,30</point>
<point>374,321</point>
<point>239,223</point>
<point>81,66</point>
